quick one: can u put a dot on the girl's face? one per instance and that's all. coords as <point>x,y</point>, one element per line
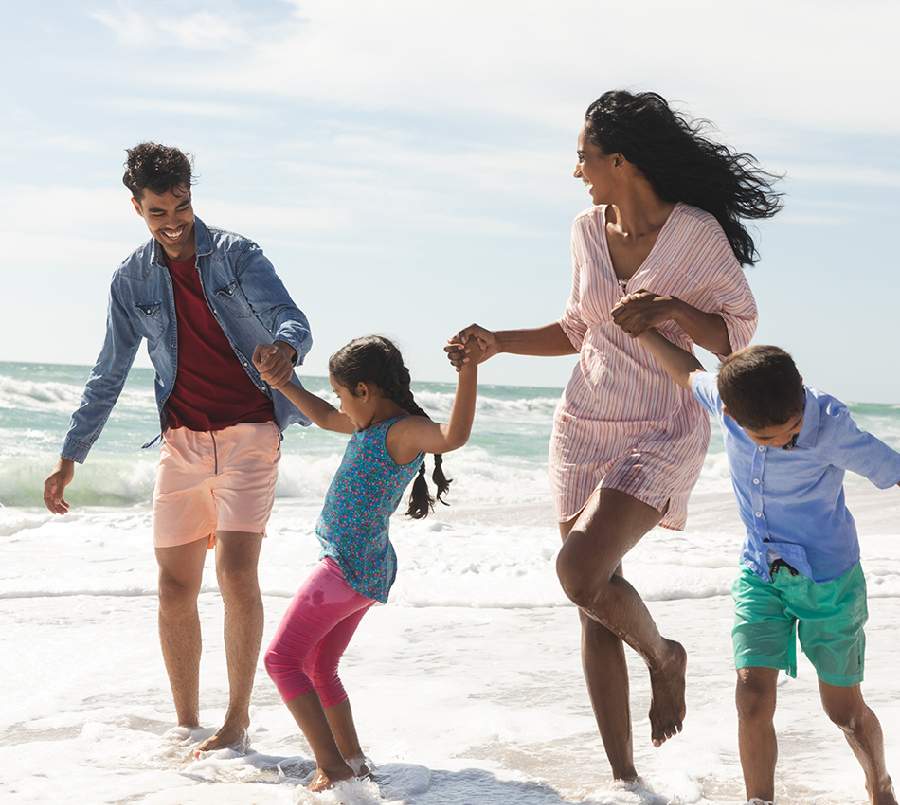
<point>357,404</point>
<point>596,169</point>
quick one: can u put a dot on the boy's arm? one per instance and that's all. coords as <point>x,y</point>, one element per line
<point>859,451</point>
<point>678,363</point>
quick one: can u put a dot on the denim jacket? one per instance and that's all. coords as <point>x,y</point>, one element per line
<point>244,294</point>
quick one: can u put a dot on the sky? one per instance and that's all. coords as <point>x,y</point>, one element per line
<point>407,166</point>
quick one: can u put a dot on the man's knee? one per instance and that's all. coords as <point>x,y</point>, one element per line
<point>240,581</point>
<point>755,695</point>
<point>176,594</point>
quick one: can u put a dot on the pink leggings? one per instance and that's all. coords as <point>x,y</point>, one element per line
<point>314,633</point>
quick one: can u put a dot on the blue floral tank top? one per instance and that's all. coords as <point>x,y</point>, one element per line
<point>364,493</point>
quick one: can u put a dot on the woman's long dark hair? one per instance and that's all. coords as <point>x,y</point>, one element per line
<point>374,359</point>
<point>682,165</point>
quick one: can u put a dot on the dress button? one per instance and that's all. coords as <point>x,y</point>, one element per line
<point>756,481</point>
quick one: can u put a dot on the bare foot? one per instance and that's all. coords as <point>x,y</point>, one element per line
<point>324,779</point>
<point>667,710</point>
<point>228,736</point>
<point>360,767</point>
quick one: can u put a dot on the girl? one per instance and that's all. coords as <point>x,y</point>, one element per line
<point>390,434</point>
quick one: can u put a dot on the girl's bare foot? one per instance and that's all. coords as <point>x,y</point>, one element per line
<point>667,709</point>
<point>360,767</point>
<point>323,779</point>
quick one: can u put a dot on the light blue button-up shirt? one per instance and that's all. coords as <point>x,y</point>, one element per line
<point>792,501</point>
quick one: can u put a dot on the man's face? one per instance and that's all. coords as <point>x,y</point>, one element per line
<point>777,435</point>
<point>170,219</point>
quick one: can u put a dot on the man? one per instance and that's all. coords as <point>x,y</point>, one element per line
<point>209,304</point>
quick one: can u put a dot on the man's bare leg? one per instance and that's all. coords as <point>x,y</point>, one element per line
<point>331,767</point>
<point>611,524</point>
<point>846,708</point>
<point>755,696</point>
<point>606,675</point>
<point>237,558</point>
<point>180,577</point>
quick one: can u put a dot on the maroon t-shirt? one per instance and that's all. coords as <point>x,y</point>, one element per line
<point>212,391</point>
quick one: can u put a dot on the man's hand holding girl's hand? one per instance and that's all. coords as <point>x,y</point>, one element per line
<point>275,363</point>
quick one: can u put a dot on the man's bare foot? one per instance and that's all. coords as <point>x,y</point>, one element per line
<point>667,709</point>
<point>228,736</point>
<point>323,779</point>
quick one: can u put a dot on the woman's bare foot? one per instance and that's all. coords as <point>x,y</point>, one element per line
<point>229,736</point>
<point>323,779</point>
<point>360,767</point>
<point>667,709</point>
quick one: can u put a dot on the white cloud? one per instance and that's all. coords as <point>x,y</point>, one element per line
<point>202,30</point>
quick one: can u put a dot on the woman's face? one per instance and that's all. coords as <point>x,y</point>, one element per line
<point>595,169</point>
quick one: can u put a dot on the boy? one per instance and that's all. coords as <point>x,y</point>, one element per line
<point>788,446</point>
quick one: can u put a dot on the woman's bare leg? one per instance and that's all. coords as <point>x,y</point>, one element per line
<point>611,524</point>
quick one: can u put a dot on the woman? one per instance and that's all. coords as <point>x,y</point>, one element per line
<point>662,246</point>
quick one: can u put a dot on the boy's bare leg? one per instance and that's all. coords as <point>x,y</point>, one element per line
<point>755,696</point>
<point>340,719</point>
<point>611,524</point>
<point>311,718</point>
<point>846,708</point>
<point>237,558</point>
<point>180,577</point>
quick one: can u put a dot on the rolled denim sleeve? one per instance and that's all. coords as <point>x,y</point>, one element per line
<point>105,382</point>
<point>271,302</point>
<point>854,449</point>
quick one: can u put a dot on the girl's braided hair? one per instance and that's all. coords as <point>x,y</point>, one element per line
<point>375,359</point>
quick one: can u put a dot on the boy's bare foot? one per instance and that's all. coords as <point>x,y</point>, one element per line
<point>667,709</point>
<point>228,736</point>
<point>323,779</point>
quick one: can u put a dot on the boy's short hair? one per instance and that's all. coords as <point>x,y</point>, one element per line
<point>760,386</point>
<point>155,167</point>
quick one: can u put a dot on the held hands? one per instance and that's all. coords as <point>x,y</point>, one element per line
<point>54,485</point>
<point>275,363</point>
<point>642,310</point>
<point>472,345</point>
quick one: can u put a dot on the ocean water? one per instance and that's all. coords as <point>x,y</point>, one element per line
<point>466,687</point>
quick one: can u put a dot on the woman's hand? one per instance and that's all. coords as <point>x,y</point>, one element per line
<point>474,343</point>
<point>642,310</point>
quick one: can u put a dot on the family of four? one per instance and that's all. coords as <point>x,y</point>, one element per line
<point>656,268</point>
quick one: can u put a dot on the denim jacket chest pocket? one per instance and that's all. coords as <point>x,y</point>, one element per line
<point>150,318</point>
<point>229,297</point>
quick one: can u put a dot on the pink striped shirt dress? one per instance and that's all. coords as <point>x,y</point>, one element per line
<point>621,422</point>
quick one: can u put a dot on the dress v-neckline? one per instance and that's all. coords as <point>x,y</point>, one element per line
<point>623,283</point>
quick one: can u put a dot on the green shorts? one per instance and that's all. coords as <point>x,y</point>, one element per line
<point>829,618</point>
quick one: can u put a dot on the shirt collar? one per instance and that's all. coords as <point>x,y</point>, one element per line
<point>809,430</point>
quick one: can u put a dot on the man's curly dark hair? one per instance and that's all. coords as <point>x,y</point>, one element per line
<point>155,167</point>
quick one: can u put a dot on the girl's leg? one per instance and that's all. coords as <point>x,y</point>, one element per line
<point>611,524</point>
<point>322,670</point>
<point>846,708</point>
<point>322,602</point>
<point>754,696</point>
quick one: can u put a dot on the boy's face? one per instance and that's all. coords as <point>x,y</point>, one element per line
<point>784,436</point>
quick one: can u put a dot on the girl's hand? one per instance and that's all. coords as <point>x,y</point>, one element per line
<point>474,344</point>
<point>275,363</point>
<point>642,310</point>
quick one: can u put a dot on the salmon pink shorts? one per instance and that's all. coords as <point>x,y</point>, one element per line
<point>210,481</point>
